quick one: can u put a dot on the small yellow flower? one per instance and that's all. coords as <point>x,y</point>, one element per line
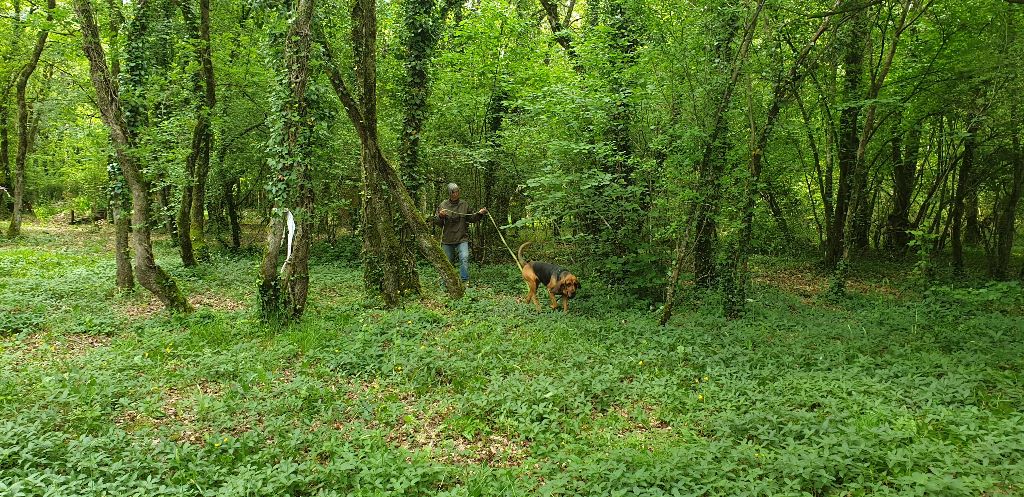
<point>700,397</point>
<point>408,322</point>
<point>705,378</point>
<point>641,363</point>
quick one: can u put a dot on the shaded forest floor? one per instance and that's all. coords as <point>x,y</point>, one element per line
<point>892,391</point>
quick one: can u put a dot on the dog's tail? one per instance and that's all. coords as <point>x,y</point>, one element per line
<point>519,254</point>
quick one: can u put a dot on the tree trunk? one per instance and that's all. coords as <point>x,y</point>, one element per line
<point>283,294</point>
<point>904,176</point>
<point>423,26</point>
<point>778,213</point>
<point>236,229</point>
<point>963,185</point>
<point>849,134</point>
<point>122,226</point>
<point>972,227</point>
<point>711,167</point>
<point>188,257</point>
<point>120,200</point>
<point>150,276</point>
<point>17,29</point>
<point>120,207</point>
<point>859,196</point>
<point>198,161</point>
<point>558,28</point>
<point>428,245</point>
<point>383,265</point>
<point>736,276</point>
<point>23,110</point>
<point>387,265</point>
<point>495,115</point>
<point>169,221</point>
<point>1005,222</point>
<point>5,154</point>
<point>861,222</point>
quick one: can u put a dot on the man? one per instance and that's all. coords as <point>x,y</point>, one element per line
<point>452,216</point>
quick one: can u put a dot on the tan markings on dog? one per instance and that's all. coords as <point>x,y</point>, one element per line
<point>560,286</point>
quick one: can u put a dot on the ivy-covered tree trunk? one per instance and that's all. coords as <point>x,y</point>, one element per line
<point>283,292</point>
<point>229,201</point>
<point>849,135</point>
<point>861,219</point>
<point>559,24</point>
<point>120,206</point>
<point>623,46</point>
<point>149,274</point>
<point>422,26</point>
<point>5,154</point>
<point>1006,219</point>
<point>388,266</point>
<point>904,177</point>
<point>423,20</point>
<point>364,37</point>
<point>383,264</point>
<point>118,192</point>
<point>495,115</point>
<point>166,218</point>
<point>192,223</point>
<point>23,111</point>
<point>712,164</point>
<point>964,183</point>
<point>17,28</point>
<point>184,242</point>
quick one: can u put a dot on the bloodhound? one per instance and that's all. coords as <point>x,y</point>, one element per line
<point>558,280</point>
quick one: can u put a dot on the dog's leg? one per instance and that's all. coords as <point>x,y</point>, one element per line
<point>565,304</point>
<point>531,296</point>
<point>554,302</point>
<point>531,284</point>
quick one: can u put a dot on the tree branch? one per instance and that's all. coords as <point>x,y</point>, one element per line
<point>856,7</point>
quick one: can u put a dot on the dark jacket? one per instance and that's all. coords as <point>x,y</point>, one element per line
<point>453,226</point>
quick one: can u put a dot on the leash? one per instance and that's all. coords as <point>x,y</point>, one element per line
<point>496,228</point>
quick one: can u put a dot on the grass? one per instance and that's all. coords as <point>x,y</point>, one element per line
<point>888,392</point>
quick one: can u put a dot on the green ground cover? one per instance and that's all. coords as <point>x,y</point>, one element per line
<point>887,392</point>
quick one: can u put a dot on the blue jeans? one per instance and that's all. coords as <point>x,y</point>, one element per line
<point>463,248</point>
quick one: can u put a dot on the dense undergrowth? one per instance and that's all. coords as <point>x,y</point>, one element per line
<point>886,392</point>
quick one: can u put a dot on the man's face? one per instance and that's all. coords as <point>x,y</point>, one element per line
<point>454,195</point>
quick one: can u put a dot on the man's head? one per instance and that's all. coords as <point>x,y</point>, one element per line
<point>453,192</point>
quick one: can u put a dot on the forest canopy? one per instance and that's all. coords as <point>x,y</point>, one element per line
<point>654,142</point>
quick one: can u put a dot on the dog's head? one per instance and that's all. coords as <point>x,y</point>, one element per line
<point>568,285</point>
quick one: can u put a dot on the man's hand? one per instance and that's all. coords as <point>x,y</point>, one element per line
<point>442,213</point>
<point>483,210</point>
